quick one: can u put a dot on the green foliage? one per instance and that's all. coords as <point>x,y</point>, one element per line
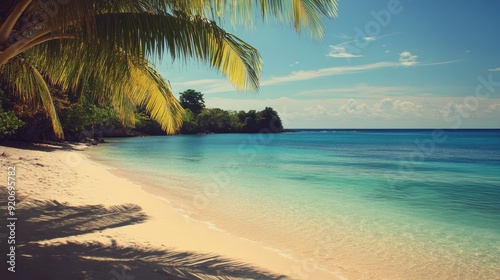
<point>9,122</point>
<point>265,121</point>
<point>189,123</point>
<point>198,119</point>
<point>145,125</point>
<point>192,100</point>
<point>269,119</point>
<point>81,115</point>
<point>215,120</point>
<point>84,114</point>
<point>250,122</point>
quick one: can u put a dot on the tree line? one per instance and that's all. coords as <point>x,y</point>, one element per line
<point>198,119</point>
<point>83,119</point>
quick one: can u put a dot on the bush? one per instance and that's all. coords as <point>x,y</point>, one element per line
<point>9,122</point>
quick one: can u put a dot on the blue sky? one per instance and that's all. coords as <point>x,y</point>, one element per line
<point>381,64</point>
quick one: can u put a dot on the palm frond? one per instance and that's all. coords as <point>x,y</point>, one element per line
<point>146,88</point>
<point>26,82</point>
<point>128,83</point>
<point>183,36</point>
<point>303,15</point>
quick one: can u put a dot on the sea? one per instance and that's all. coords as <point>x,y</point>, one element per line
<point>372,204</point>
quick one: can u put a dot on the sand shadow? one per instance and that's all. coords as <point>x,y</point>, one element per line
<point>45,220</point>
<point>42,146</point>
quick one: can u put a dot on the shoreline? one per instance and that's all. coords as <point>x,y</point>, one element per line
<point>71,178</point>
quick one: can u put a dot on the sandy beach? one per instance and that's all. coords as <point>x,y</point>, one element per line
<point>78,220</point>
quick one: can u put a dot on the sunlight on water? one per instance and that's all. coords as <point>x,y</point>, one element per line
<point>370,204</point>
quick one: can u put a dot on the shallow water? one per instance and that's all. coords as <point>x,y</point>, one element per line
<point>391,204</point>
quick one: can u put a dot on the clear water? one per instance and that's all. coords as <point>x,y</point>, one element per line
<point>370,204</point>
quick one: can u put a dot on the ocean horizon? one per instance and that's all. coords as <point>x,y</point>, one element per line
<point>389,203</point>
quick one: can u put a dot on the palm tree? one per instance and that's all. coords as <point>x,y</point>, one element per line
<point>70,43</point>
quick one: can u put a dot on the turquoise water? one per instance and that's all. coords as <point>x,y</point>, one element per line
<point>392,204</point>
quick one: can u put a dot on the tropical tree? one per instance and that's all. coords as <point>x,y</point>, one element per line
<point>192,100</point>
<point>269,120</point>
<point>69,43</point>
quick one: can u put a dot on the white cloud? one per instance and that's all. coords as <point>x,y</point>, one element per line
<point>339,51</point>
<point>223,85</point>
<point>493,109</point>
<point>386,108</point>
<point>494,69</point>
<point>353,108</point>
<point>295,63</point>
<point>323,72</point>
<point>460,110</point>
<point>344,37</point>
<point>362,90</point>
<point>316,110</point>
<point>401,111</point>
<point>196,82</point>
<point>391,109</point>
<point>407,59</point>
<point>436,63</point>
<point>370,38</point>
<point>205,85</point>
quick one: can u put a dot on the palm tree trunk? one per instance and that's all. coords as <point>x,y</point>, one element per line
<point>11,20</point>
<point>27,43</point>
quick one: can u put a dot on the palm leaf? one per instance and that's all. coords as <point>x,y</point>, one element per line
<point>147,88</point>
<point>303,15</point>
<point>26,82</point>
<point>183,36</point>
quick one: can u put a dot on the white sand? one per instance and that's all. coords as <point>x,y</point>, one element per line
<point>65,175</point>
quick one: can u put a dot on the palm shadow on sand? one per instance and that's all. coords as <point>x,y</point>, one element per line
<point>45,220</point>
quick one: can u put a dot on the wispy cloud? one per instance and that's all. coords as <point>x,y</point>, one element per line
<point>205,85</point>
<point>494,69</point>
<point>196,82</point>
<point>313,74</point>
<point>295,63</point>
<point>343,70</point>
<point>436,63</point>
<point>339,51</point>
<point>222,85</point>
<point>362,91</point>
<point>349,40</point>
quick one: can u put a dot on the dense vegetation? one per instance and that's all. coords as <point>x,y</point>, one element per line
<point>77,113</point>
<point>83,119</point>
<point>199,119</point>
<point>9,122</point>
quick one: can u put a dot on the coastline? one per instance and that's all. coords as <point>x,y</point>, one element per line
<point>64,176</point>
